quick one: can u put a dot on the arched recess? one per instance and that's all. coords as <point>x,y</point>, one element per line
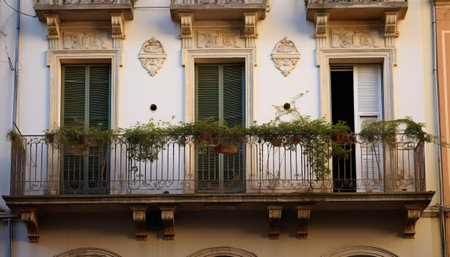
<point>87,252</point>
<point>359,251</point>
<point>223,251</point>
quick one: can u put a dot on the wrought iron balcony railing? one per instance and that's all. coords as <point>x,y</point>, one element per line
<point>40,168</point>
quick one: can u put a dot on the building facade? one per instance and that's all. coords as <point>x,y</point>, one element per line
<point>113,63</point>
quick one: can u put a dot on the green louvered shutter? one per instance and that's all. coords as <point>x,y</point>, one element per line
<point>85,97</point>
<point>220,95</point>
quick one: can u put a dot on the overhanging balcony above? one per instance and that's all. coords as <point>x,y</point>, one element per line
<point>84,10</point>
<point>355,9</point>
<point>219,9</point>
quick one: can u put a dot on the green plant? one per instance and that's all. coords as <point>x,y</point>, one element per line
<point>16,139</point>
<point>145,141</point>
<point>389,132</point>
<point>78,138</point>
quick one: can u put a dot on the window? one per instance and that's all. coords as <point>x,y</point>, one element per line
<point>85,102</point>
<point>220,96</point>
<point>355,99</point>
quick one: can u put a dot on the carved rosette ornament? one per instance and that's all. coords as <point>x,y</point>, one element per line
<point>152,56</point>
<point>285,56</point>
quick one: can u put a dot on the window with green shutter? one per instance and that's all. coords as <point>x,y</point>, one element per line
<point>86,101</point>
<point>220,95</point>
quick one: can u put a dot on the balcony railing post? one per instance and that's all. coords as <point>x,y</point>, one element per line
<point>419,166</point>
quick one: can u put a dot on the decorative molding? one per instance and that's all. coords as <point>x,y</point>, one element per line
<point>168,220</point>
<point>354,38</point>
<point>117,25</point>
<point>152,56</point>
<point>86,40</point>
<point>321,25</point>
<point>140,219</point>
<point>274,221</point>
<point>285,56</point>
<point>88,252</point>
<point>303,216</point>
<point>358,251</point>
<point>250,31</point>
<point>30,220</point>
<point>218,38</point>
<point>223,251</point>
<point>412,214</point>
<point>390,24</point>
<point>53,35</point>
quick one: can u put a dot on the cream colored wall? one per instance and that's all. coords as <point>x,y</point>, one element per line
<point>196,231</point>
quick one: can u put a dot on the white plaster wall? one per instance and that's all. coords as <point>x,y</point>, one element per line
<point>246,230</point>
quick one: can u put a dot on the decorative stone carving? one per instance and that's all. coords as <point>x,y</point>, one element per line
<point>285,56</point>
<point>354,38</point>
<point>321,26</point>
<point>87,252</point>
<point>53,23</point>
<point>412,214</point>
<point>168,220</point>
<point>303,216</point>
<point>222,251</point>
<point>152,56</point>
<point>274,221</point>
<point>140,219</point>
<point>390,24</point>
<point>218,39</point>
<point>221,1</point>
<point>31,222</point>
<point>117,21</point>
<point>86,40</point>
<point>186,20</point>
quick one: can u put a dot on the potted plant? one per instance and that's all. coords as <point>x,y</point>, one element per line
<point>145,141</point>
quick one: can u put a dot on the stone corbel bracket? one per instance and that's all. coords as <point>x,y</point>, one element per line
<point>274,221</point>
<point>152,56</point>
<point>140,220</point>
<point>30,220</point>
<point>285,56</point>
<point>168,220</point>
<point>53,23</point>
<point>186,21</point>
<point>411,215</point>
<point>117,25</point>
<point>303,216</point>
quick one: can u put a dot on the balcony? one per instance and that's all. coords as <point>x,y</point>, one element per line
<point>84,10</point>
<point>355,9</point>
<point>219,9</point>
<point>40,168</point>
<point>259,176</point>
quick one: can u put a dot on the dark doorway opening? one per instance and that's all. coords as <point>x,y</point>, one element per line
<point>342,109</point>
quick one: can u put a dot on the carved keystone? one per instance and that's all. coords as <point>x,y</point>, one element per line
<point>412,214</point>
<point>31,222</point>
<point>285,56</point>
<point>140,219</point>
<point>168,220</point>
<point>274,221</point>
<point>303,216</point>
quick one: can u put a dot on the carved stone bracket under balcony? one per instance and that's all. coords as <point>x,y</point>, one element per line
<point>168,220</point>
<point>29,218</point>
<point>274,221</point>
<point>303,216</point>
<point>412,215</point>
<point>140,219</point>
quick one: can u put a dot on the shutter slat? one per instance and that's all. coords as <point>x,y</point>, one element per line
<point>208,92</point>
<point>233,94</point>
<point>74,88</point>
